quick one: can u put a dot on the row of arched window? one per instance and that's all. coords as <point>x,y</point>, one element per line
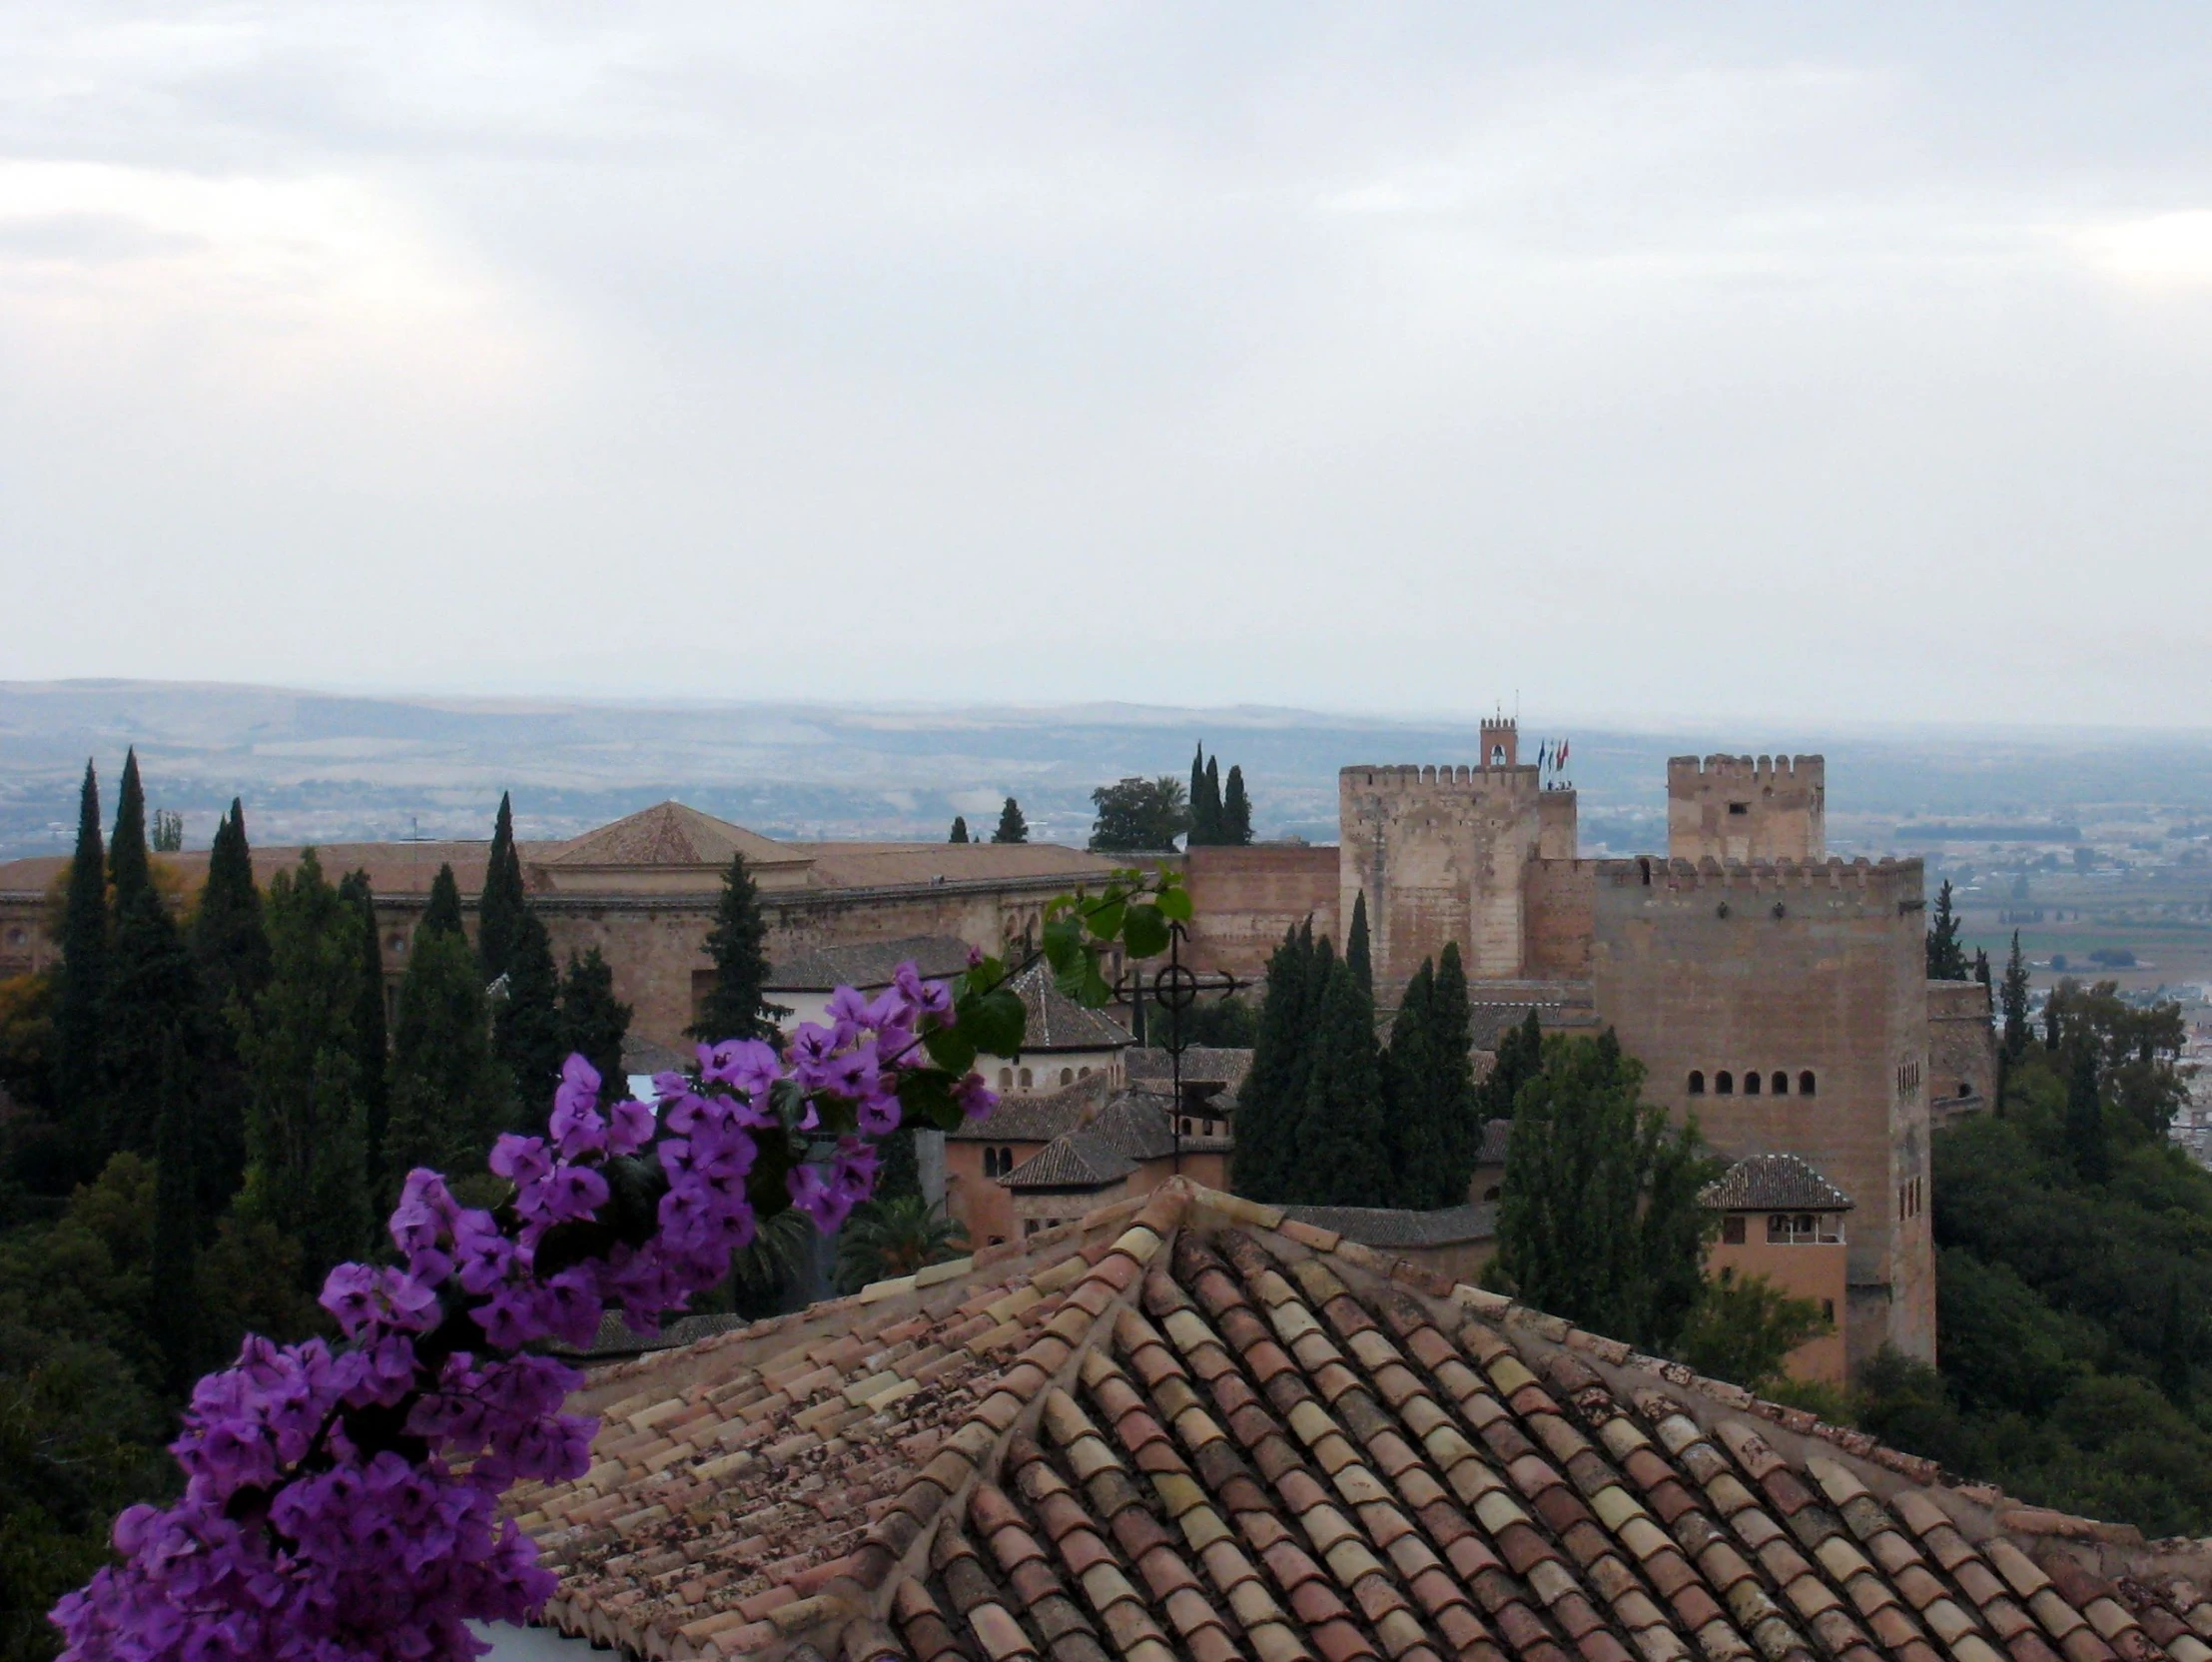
<point>1775,1083</point>
<point>997,1161</point>
<point>1027,1078</point>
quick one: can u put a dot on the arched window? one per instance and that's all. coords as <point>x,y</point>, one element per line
<point>991,1162</point>
<point>1696,1082</point>
<point>1006,1161</point>
<point>1804,1082</point>
<point>1026,1081</point>
<point>1083,1073</point>
<point>1724,1084</point>
<point>1965,1088</point>
<point>1781,1083</point>
<point>1750,1082</point>
<point>1005,1078</point>
<point>1068,1075</point>
<point>1186,1125</point>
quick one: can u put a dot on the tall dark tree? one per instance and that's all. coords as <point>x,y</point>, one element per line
<point>371,1037</point>
<point>1519,1059</point>
<point>1356,952</point>
<point>1599,1219</point>
<point>1217,831</point>
<point>1273,1093</point>
<point>231,946</point>
<point>1946,958</point>
<point>2087,1144</point>
<point>1340,1158</point>
<point>2055,1008</point>
<point>2176,1347</point>
<point>152,1002</point>
<point>84,971</point>
<point>960,829</point>
<point>500,908</point>
<point>228,936</point>
<point>526,1022</point>
<point>1236,810</point>
<point>1206,818</point>
<point>450,1095</point>
<point>307,1172</point>
<point>1409,1129</point>
<point>443,911</point>
<point>2013,1001</point>
<point>177,1223</point>
<point>1982,970</point>
<point>593,1021</point>
<point>129,869</point>
<point>736,1005</point>
<point>1013,828</point>
<point>1452,1074</point>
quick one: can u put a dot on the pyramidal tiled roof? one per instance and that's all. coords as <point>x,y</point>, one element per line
<point>1189,1430</point>
<point>1782,1183</point>
<point>670,834</point>
<point>1056,1022</point>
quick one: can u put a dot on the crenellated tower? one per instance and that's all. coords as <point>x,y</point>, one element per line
<point>1747,808</point>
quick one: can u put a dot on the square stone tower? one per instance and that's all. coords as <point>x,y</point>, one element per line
<point>1747,808</point>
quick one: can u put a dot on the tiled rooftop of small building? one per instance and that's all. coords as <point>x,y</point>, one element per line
<point>1778,1183</point>
<point>1205,1432</point>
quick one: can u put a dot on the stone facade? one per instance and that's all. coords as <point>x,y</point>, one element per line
<point>1747,808</point>
<point>1962,1050</point>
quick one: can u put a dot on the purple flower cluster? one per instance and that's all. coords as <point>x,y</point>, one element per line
<point>344,1504</point>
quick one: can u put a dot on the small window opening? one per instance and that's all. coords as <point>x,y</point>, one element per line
<point>1068,1075</point>
<point>1005,1078</point>
<point>1781,1083</point>
<point>1696,1082</point>
<point>1731,1230</point>
<point>1750,1082</point>
<point>1724,1084</point>
<point>1804,1082</point>
<point>1027,1079</point>
<point>1738,807</point>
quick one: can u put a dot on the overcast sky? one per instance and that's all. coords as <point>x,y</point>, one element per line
<point>1649,362</point>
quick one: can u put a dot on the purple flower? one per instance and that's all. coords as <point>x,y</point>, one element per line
<point>574,1192</point>
<point>630,1127</point>
<point>879,1113</point>
<point>853,1171</point>
<point>813,1193</point>
<point>522,1160</point>
<point>930,998</point>
<point>976,1099</point>
<point>748,1064</point>
<point>350,1294</point>
<point>576,1126</point>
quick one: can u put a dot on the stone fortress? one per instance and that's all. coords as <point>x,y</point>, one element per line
<point>1775,993</point>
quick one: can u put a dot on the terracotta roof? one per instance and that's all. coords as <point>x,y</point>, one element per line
<point>1774,1182</point>
<point>1058,1022</point>
<point>394,868</point>
<point>878,865</point>
<point>670,834</point>
<point>1039,1119</point>
<point>864,963</point>
<point>1201,1065</point>
<point>643,1056</point>
<point>1197,1430</point>
<point>1132,1127</point>
<point>1391,1227</point>
<point>1495,1134</point>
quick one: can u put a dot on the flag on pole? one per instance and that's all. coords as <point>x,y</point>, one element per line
<point>1560,759</point>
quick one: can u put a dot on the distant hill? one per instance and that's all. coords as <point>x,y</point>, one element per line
<point>326,766</point>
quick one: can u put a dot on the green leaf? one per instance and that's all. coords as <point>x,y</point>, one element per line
<point>996,1024</point>
<point>1145,935</point>
<point>950,1048</point>
<point>925,1097</point>
<point>1063,943</point>
<point>1104,922</point>
<point>1175,903</point>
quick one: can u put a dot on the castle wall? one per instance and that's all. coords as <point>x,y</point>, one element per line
<point>1788,969</point>
<point>1243,900</point>
<point>1962,1050</point>
<point>1440,853</point>
<point>1747,808</point>
<point>1560,897</point>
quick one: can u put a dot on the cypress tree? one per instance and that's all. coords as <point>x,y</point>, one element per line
<point>444,912</point>
<point>2174,1347</point>
<point>1202,825</point>
<point>1013,828</point>
<point>84,971</point>
<point>1982,968</point>
<point>231,946</point>
<point>593,1021</point>
<point>1946,959</point>
<point>128,867</point>
<point>1452,1074</point>
<point>1266,1115</point>
<point>735,1007</point>
<point>227,933</point>
<point>1520,1057</point>
<point>1215,831</point>
<point>1356,948</point>
<point>371,1041</point>
<point>2053,1007</point>
<point>1236,811</point>
<point>526,1026</point>
<point>2012,1000</point>
<point>305,1168</point>
<point>501,907</point>
<point>960,829</point>
<point>2084,1125</point>
<point>176,1221</point>
<point>1340,1158</point>
<point>450,1097</point>
<point>153,1003</point>
<point>1409,1124</point>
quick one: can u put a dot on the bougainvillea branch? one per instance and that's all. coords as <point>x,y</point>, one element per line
<point>340,1503</point>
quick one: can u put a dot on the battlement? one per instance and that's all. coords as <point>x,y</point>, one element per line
<point>1899,879</point>
<point>1411,775</point>
<point>1750,770</point>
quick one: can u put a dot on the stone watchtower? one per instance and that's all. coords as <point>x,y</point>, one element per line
<point>1747,808</point>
